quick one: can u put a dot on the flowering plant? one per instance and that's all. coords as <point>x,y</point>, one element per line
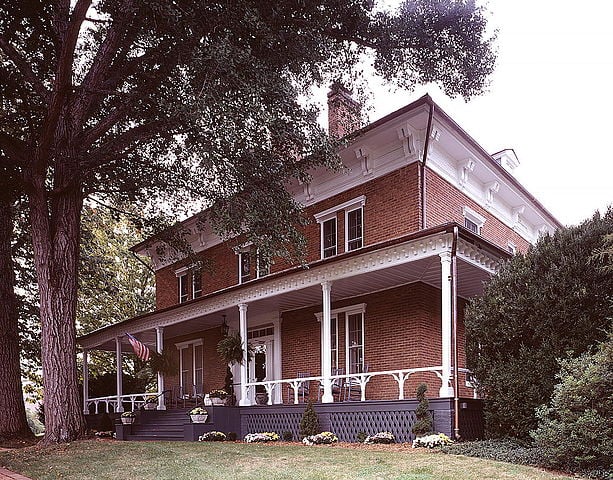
<point>197,411</point>
<point>128,415</point>
<point>218,394</point>
<point>261,437</point>
<point>212,437</point>
<point>323,438</point>
<point>381,437</point>
<point>432,441</point>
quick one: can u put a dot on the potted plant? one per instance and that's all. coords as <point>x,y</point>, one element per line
<point>230,350</point>
<point>218,397</point>
<point>128,418</point>
<point>198,415</point>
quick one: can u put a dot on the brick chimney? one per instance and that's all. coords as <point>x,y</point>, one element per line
<point>344,113</point>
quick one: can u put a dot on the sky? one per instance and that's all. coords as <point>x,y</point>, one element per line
<point>550,99</point>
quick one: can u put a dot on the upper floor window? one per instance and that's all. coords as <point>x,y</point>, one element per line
<point>196,282</point>
<point>252,265</point>
<point>354,229</point>
<point>182,280</point>
<point>472,220</point>
<point>328,238</point>
<point>511,248</point>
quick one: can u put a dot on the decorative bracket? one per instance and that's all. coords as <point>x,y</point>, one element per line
<point>363,154</point>
<point>408,136</point>
<point>466,167</point>
<point>491,189</point>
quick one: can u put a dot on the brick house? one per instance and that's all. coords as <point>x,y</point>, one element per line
<point>398,242</point>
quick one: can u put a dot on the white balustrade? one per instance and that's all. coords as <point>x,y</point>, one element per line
<point>136,400</point>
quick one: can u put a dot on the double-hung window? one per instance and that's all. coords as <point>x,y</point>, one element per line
<point>355,342</point>
<point>244,266</point>
<point>196,282</point>
<point>354,229</point>
<point>251,264</point>
<point>472,220</point>
<point>328,241</point>
<point>183,288</point>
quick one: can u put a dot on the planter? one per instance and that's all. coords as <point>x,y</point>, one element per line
<point>127,420</point>
<point>199,418</point>
<point>218,401</point>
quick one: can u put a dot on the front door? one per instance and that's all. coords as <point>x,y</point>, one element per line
<point>261,367</point>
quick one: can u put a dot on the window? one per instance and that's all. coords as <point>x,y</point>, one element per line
<point>191,365</point>
<point>196,283</point>
<point>354,229</point>
<point>183,288</point>
<point>470,225</point>
<point>263,265</point>
<point>244,261</point>
<point>328,229</point>
<point>472,220</point>
<point>512,248</point>
<point>355,342</point>
<point>334,342</point>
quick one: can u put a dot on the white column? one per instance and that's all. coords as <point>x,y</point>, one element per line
<point>326,358</point>
<point>244,377</point>
<point>119,374</point>
<point>446,322</point>
<point>85,382</point>
<point>159,341</point>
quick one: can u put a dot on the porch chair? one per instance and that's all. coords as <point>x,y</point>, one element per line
<point>303,389</point>
<point>336,385</point>
<point>351,386</point>
<point>180,395</point>
<point>198,394</point>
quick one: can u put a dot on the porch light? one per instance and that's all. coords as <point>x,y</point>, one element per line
<point>224,327</point>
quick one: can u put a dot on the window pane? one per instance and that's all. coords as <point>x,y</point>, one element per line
<point>183,294</point>
<point>355,347</point>
<point>245,273</point>
<point>329,237</point>
<point>470,225</point>
<point>198,356</point>
<point>354,229</point>
<point>197,283</point>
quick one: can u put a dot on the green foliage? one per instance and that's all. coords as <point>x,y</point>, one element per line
<point>309,424</point>
<point>230,349</point>
<point>165,363</point>
<point>287,436</point>
<point>361,436</point>
<point>502,450</point>
<point>575,430</point>
<point>540,307</point>
<point>105,424</point>
<point>423,425</point>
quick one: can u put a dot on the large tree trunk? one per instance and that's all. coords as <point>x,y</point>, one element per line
<point>55,224</point>
<point>13,422</point>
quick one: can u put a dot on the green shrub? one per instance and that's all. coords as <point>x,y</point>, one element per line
<point>575,431</point>
<point>231,437</point>
<point>423,425</point>
<point>105,423</point>
<point>361,436</point>
<point>309,425</point>
<point>287,436</point>
<point>506,450</point>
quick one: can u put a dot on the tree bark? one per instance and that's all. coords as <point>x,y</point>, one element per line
<point>55,222</point>
<point>13,422</point>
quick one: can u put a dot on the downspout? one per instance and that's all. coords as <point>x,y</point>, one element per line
<point>454,316</point>
<point>422,167</point>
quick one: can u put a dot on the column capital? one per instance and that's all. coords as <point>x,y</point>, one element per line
<point>242,307</point>
<point>159,329</point>
<point>445,257</point>
<point>326,286</point>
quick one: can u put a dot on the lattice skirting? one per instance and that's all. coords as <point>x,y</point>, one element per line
<point>274,422</point>
<point>347,425</point>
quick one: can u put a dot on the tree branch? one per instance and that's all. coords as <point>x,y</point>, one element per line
<point>24,69</point>
<point>15,151</point>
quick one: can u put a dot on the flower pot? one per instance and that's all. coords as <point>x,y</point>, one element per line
<point>199,418</point>
<point>218,401</point>
<point>127,420</point>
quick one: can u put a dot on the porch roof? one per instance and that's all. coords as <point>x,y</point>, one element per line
<point>404,260</point>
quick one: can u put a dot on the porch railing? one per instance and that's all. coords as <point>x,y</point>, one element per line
<point>354,379</point>
<point>136,400</point>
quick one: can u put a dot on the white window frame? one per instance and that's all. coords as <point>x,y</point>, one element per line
<point>331,213</point>
<point>240,265</point>
<point>361,237</point>
<point>474,217</point>
<point>512,248</point>
<point>183,279</point>
<point>196,273</point>
<point>184,346</point>
<point>323,253</point>
<point>355,310</point>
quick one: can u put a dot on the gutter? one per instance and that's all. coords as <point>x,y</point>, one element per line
<point>454,339</point>
<point>422,166</point>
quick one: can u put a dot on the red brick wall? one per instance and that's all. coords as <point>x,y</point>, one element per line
<point>444,203</point>
<point>402,330</point>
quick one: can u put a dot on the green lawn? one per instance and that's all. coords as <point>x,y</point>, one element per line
<point>99,460</point>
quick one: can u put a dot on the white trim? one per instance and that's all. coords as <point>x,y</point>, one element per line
<point>362,313</point>
<point>347,212</point>
<point>197,341</point>
<point>330,212</point>
<point>350,310</point>
<point>182,271</point>
<point>473,216</point>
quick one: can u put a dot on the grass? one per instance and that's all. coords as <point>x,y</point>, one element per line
<point>99,460</point>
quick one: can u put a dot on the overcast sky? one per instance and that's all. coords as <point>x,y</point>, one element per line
<point>550,99</point>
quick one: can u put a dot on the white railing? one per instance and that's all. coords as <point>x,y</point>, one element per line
<point>136,400</point>
<point>348,381</point>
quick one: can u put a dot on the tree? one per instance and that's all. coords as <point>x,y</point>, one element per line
<point>423,424</point>
<point>137,99</point>
<point>575,430</point>
<point>309,423</point>
<point>540,307</point>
